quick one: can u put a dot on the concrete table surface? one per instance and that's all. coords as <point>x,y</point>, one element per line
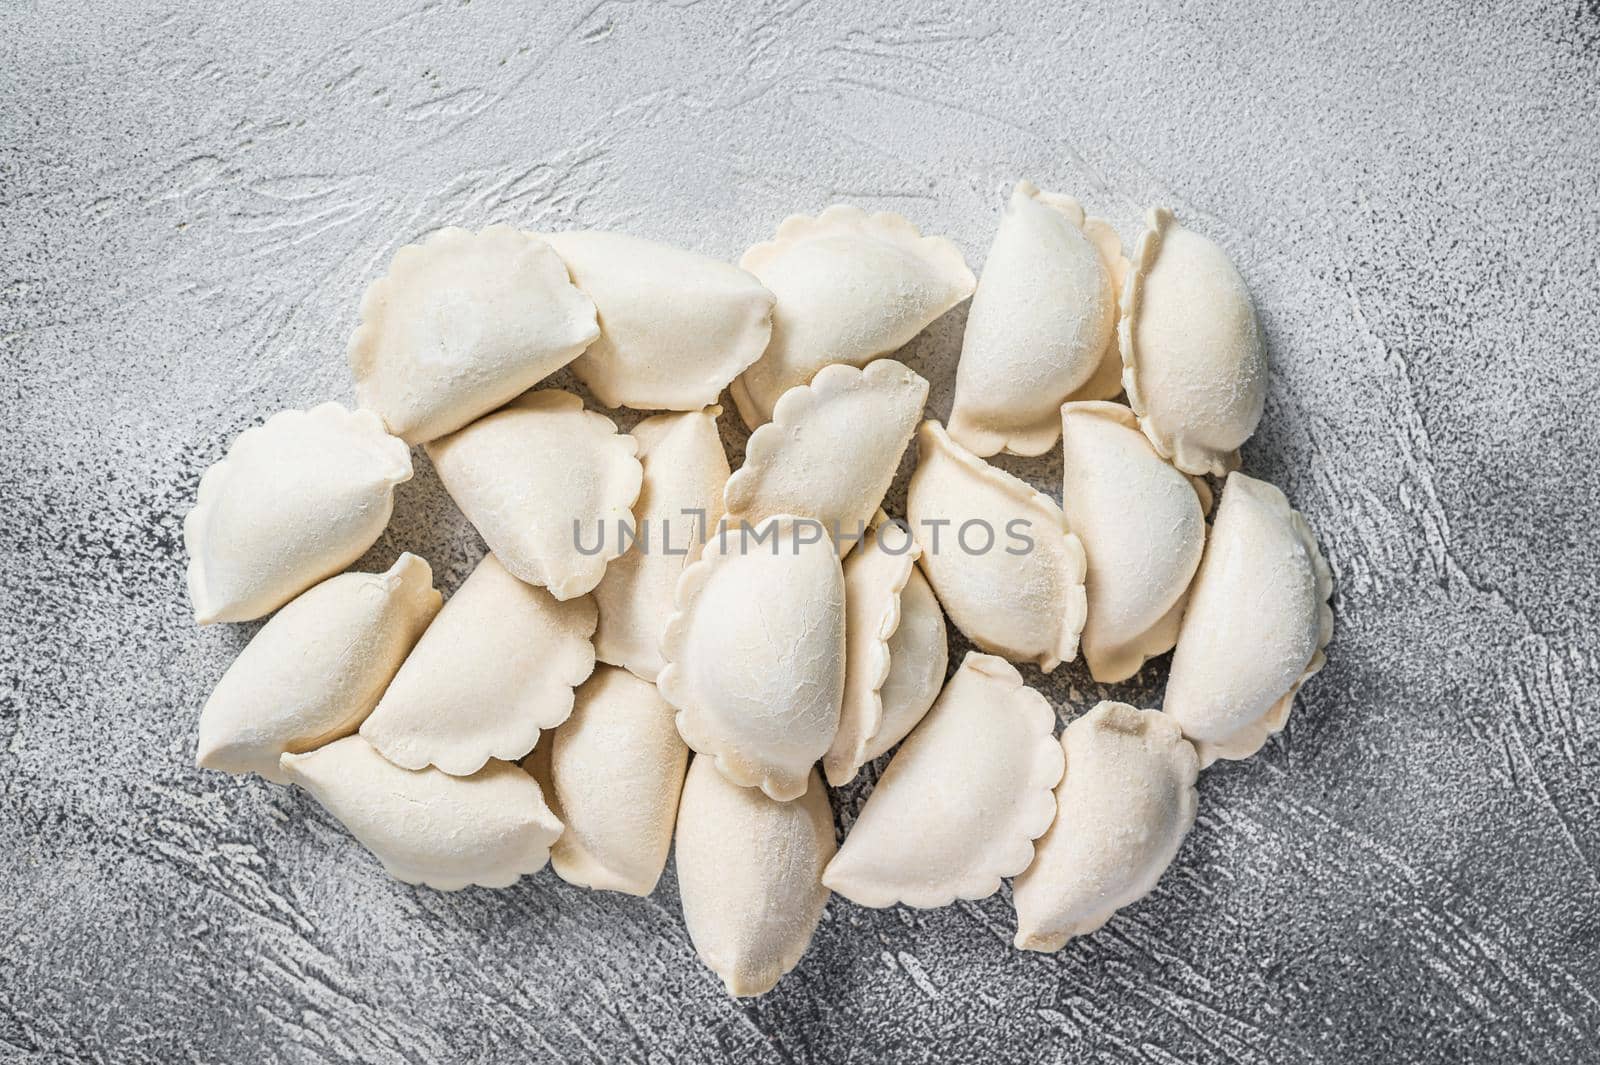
<point>193,196</point>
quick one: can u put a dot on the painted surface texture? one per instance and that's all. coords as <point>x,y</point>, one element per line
<point>191,203</point>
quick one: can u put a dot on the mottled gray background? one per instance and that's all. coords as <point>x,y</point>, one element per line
<point>190,204</point>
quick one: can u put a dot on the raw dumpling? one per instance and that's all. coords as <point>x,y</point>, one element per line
<point>675,327</point>
<point>1042,324</point>
<point>1255,627</point>
<point>1122,809</point>
<point>316,669</point>
<point>685,469</point>
<point>1194,364</point>
<point>428,827</point>
<point>749,874</point>
<point>850,287</point>
<point>997,553</point>
<point>918,655</point>
<point>296,500</point>
<point>831,449</point>
<point>1143,528</point>
<point>543,479</point>
<point>962,800</point>
<point>497,665</point>
<point>755,653</point>
<point>612,775</point>
<point>463,323</point>
<point>895,650</point>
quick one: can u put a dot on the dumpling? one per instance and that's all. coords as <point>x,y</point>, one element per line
<point>497,665</point>
<point>755,653</point>
<point>463,323</point>
<point>831,449</point>
<point>1122,810</point>
<point>918,655</point>
<point>749,874</point>
<point>997,553</point>
<point>850,287</point>
<point>1143,528</point>
<point>685,470</point>
<point>316,669</point>
<point>296,500</point>
<point>1255,627</point>
<point>428,827</point>
<point>675,327</point>
<point>895,650</point>
<point>1041,326</point>
<point>542,480</point>
<point>962,800</point>
<point>1194,364</point>
<point>612,774</point>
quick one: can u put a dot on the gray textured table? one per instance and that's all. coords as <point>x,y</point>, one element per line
<point>190,205</point>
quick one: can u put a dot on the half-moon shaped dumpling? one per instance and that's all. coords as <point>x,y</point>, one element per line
<point>1194,364</point>
<point>296,500</point>
<point>612,775</point>
<point>463,323</point>
<point>1122,810</point>
<point>316,669</point>
<point>962,800</point>
<point>428,827</point>
<point>1255,627</point>
<point>850,287</point>
<point>1143,528</point>
<point>1042,323</point>
<point>831,449</point>
<point>918,655</point>
<point>755,653</point>
<point>749,874</point>
<point>542,479</point>
<point>895,651</point>
<point>685,469</point>
<point>497,665</point>
<point>675,327</point>
<point>997,553</point>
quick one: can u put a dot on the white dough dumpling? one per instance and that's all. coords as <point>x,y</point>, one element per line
<point>1256,624</point>
<point>675,327</point>
<point>541,478</point>
<point>613,774</point>
<point>497,665</point>
<point>919,652</point>
<point>685,470</point>
<point>1122,810</point>
<point>1194,363</point>
<point>896,651</point>
<point>463,323</point>
<point>962,800</point>
<point>1143,527</point>
<point>755,653</point>
<point>1043,324</point>
<point>316,669</point>
<point>831,449</point>
<point>296,500</point>
<point>749,875</point>
<point>998,554</point>
<point>428,827</point>
<point>850,287</point>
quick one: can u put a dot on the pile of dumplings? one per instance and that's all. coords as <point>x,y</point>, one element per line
<point>620,672</point>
